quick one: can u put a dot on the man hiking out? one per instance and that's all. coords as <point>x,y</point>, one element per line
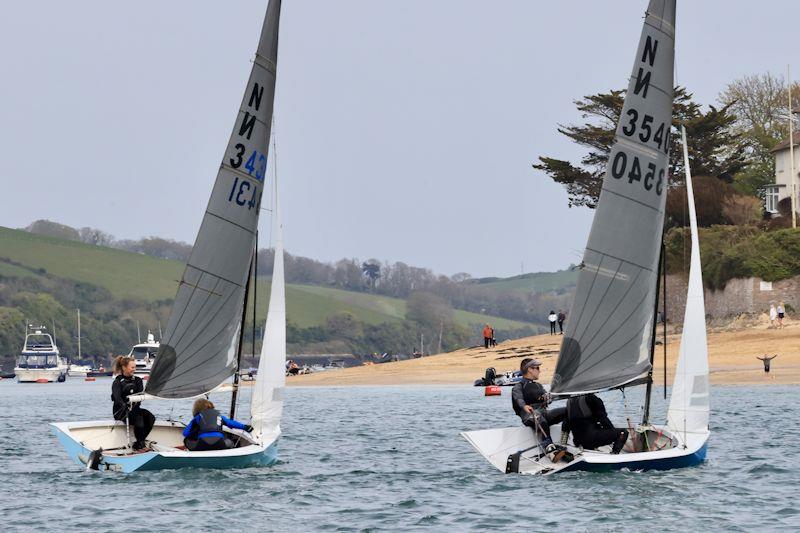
<point>530,400</point>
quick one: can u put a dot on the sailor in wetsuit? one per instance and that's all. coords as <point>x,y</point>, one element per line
<point>125,384</point>
<point>530,402</point>
<point>590,426</point>
<point>204,431</point>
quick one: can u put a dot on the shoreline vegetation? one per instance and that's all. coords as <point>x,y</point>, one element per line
<point>732,354</point>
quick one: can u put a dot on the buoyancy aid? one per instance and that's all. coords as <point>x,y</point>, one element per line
<point>208,425</point>
<point>533,392</point>
<point>578,409</point>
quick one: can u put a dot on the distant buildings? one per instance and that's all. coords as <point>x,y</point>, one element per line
<point>782,188</point>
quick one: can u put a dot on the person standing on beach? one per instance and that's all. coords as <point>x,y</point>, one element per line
<point>766,359</point>
<point>493,342</point>
<point>781,313</point>
<point>487,336</point>
<point>561,318</point>
<point>552,317</point>
<point>773,315</point>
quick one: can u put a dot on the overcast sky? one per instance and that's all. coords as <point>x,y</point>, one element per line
<point>405,129</point>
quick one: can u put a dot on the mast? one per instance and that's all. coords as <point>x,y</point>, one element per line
<point>79,334</point>
<point>649,391</point>
<point>664,315</point>
<point>235,391</point>
<point>255,292</point>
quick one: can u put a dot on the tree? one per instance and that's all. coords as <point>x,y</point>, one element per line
<point>372,270</point>
<point>53,229</point>
<point>95,236</point>
<point>713,147</point>
<point>760,106</point>
<point>344,325</point>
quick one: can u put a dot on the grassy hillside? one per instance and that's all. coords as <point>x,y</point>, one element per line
<point>535,282</point>
<point>126,275</point>
<point>139,277</point>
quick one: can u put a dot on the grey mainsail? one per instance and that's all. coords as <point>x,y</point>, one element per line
<point>607,342</point>
<point>198,351</point>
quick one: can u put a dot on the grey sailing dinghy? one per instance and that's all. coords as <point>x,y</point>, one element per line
<point>202,344</point>
<point>610,341</point>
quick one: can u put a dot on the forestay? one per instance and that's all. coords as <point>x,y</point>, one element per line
<point>608,337</point>
<point>267,403</point>
<point>689,403</point>
<point>198,351</point>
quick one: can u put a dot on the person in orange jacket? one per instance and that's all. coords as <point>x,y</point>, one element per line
<point>487,335</point>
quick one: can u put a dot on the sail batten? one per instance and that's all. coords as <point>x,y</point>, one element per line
<point>199,346</point>
<point>607,340</point>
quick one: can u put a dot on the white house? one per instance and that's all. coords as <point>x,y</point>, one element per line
<point>782,188</point>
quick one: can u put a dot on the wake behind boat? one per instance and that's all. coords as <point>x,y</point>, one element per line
<point>202,344</point>
<point>610,342</point>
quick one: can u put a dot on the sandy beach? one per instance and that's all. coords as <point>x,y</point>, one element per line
<point>732,359</point>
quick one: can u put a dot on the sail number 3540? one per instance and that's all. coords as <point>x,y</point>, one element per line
<point>630,167</point>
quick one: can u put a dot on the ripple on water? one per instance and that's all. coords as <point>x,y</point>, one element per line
<point>346,465</point>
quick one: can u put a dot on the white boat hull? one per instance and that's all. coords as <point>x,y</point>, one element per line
<point>34,375</point>
<point>80,439</point>
<point>496,445</point>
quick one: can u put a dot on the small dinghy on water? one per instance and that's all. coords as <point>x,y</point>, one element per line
<point>198,352</point>
<point>610,340</point>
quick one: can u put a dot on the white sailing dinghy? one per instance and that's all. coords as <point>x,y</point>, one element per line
<point>199,349</point>
<point>610,340</point>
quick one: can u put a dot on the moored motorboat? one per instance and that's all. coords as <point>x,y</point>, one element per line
<point>39,361</point>
<point>145,355</point>
<point>77,370</point>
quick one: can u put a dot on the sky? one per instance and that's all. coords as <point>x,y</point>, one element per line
<point>405,130</point>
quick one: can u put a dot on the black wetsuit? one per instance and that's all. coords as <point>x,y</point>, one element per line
<point>142,420</point>
<point>590,426</point>
<point>529,392</point>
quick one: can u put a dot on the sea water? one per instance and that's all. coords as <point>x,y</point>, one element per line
<point>389,458</point>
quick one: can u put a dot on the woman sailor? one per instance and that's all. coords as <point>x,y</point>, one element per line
<point>125,384</point>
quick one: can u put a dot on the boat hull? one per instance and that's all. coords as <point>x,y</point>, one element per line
<point>80,439</point>
<point>37,375</point>
<point>496,445</point>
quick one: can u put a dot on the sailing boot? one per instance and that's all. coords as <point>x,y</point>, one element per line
<point>555,453</point>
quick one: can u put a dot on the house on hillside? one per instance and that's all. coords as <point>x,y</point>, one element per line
<point>782,188</point>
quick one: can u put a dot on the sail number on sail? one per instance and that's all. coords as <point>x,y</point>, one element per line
<point>647,129</point>
<point>244,192</point>
<point>620,165</point>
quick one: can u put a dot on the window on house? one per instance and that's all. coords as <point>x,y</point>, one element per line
<point>771,199</point>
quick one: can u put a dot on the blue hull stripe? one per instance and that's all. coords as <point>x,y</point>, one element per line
<point>669,463</point>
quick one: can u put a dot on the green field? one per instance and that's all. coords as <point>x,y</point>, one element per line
<point>139,277</point>
<point>126,275</point>
<point>536,282</point>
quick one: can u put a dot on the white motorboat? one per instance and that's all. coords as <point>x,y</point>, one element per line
<point>76,370</point>
<point>145,355</point>
<point>202,344</point>
<point>40,360</point>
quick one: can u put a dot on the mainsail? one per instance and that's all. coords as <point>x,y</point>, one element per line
<point>267,404</point>
<point>607,342</point>
<point>689,403</point>
<point>198,350</point>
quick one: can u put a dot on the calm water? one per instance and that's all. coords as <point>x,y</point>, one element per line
<point>390,458</point>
